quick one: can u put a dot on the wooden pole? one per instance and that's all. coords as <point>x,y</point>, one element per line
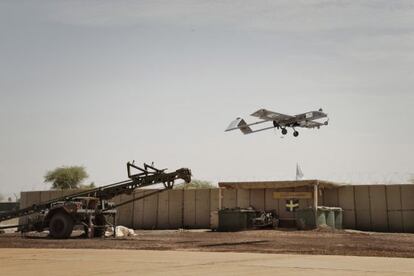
<point>220,203</point>
<point>315,196</point>
<point>315,201</point>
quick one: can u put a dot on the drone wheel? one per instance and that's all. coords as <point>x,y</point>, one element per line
<point>296,134</point>
<point>284,131</point>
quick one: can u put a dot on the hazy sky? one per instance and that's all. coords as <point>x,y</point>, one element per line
<point>99,83</point>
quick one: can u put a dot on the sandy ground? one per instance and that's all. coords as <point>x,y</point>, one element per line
<point>138,262</point>
<point>259,241</point>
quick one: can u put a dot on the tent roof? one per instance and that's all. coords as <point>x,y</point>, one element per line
<point>279,184</point>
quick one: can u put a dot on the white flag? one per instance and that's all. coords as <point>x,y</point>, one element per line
<point>299,173</point>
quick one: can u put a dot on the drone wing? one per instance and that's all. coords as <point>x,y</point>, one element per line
<point>271,116</point>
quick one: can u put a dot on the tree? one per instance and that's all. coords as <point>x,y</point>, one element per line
<point>195,184</point>
<point>87,186</point>
<point>66,177</point>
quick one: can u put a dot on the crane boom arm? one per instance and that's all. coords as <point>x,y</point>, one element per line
<point>147,176</point>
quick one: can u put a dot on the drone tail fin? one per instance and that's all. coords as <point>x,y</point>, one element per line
<point>240,124</point>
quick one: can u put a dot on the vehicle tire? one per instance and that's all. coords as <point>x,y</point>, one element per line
<point>284,131</point>
<point>100,221</point>
<point>60,226</point>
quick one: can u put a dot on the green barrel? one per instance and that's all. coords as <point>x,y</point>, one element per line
<point>321,217</point>
<point>330,218</point>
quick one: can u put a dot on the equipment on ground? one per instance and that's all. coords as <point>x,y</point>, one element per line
<point>239,219</point>
<point>91,208</point>
<point>266,219</point>
<point>281,121</point>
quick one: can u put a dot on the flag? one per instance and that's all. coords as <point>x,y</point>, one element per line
<point>299,173</point>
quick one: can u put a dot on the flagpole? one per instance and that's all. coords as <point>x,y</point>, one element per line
<point>297,171</point>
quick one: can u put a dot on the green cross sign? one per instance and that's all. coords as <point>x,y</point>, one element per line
<point>292,205</point>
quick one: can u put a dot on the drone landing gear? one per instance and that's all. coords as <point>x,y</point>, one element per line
<point>295,132</point>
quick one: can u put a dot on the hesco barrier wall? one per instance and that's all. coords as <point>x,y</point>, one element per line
<point>168,210</point>
<point>383,208</point>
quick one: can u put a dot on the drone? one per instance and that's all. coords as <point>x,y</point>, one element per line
<point>280,121</point>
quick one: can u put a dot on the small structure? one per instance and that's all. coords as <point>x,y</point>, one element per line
<point>286,198</point>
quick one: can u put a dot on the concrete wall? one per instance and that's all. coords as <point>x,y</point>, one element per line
<point>384,208</point>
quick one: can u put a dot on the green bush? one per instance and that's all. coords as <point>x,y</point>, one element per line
<point>66,177</point>
<point>195,184</point>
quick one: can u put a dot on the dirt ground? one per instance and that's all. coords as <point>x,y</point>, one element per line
<point>57,262</point>
<point>256,241</point>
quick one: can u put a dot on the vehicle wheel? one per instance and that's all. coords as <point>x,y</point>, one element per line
<point>100,221</point>
<point>284,131</point>
<point>296,134</point>
<point>60,226</point>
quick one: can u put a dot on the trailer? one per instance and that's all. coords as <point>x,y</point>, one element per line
<point>92,209</point>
